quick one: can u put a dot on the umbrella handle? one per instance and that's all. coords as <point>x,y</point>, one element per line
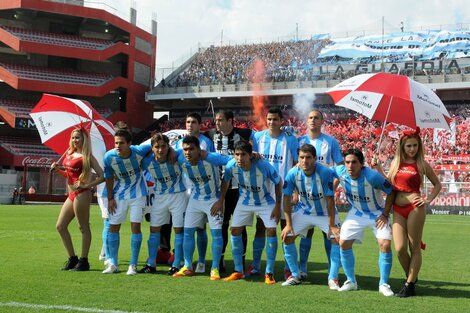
<point>60,159</point>
<point>383,127</point>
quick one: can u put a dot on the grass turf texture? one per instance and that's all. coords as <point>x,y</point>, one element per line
<point>32,254</point>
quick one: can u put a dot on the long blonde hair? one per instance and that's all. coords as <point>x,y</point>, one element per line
<point>399,156</point>
<point>86,153</point>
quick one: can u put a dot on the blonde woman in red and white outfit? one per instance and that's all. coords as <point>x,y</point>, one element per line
<point>407,172</point>
<point>77,168</point>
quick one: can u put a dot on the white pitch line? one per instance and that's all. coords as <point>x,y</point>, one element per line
<point>59,307</point>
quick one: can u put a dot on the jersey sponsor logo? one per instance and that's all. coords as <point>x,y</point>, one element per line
<point>226,151</point>
<point>202,179</point>
<point>273,157</point>
<point>311,196</point>
<point>167,179</point>
<point>357,198</point>
<point>250,188</point>
<point>129,173</point>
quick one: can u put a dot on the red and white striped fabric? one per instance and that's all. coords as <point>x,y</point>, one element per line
<point>55,118</point>
<point>406,101</point>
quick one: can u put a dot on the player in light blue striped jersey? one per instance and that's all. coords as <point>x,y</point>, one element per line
<point>126,188</point>
<point>255,181</point>
<point>193,126</point>
<point>279,148</point>
<point>364,187</point>
<point>205,191</point>
<point>171,201</point>
<point>329,154</point>
<point>313,182</point>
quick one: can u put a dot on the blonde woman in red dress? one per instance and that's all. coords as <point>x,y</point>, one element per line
<point>77,168</point>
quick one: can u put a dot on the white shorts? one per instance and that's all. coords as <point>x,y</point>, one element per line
<point>103,203</point>
<point>301,223</point>
<point>354,226</point>
<point>135,205</point>
<point>243,215</point>
<point>199,212</point>
<point>169,204</point>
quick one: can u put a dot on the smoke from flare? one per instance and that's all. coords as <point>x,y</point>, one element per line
<point>259,100</point>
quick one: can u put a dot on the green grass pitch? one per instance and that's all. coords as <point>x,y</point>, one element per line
<point>31,255</point>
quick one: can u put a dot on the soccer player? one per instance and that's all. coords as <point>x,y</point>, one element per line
<point>171,199</point>
<point>363,187</point>
<point>225,136</point>
<point>205,191</point>
<point>329,154</point>
<point>193,126</point>
<point>279,148</point>
<point>255,179</point>
<point>125,189</point>
<point>313,182</point>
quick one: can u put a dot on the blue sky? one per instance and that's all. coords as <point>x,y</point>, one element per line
<point>184,25</point>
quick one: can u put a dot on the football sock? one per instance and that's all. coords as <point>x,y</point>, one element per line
<point>385,266</point>
<point>178,250</point>
<point>258,247</point>
<point>201,245</point>
<point>290,254</point>
<point>271,250</point>
<point>113,246</point>
<point>347,260</point>
<point>237,252</point>
<point>217,243</point>
<point>188,246</point>
<point>152,244</point>
<point>136,242</point>
<point>304,250</point>
<point>335,262</point>
<point>104,237</point>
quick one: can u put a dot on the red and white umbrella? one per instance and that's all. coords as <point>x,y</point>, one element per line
<point>55,118</point>
<point>392,98</point>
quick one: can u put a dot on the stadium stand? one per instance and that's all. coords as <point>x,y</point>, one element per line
<point>285,61</point>
<point>20,108</point>
<point>25,146</point>
<point>58,39</point>
<point>56,75</point>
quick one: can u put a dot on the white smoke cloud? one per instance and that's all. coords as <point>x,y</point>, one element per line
<point>303,104</point>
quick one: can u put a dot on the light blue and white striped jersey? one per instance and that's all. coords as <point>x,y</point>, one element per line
<point>312,189</point>
<point>281,152</point>
<point>327,147</point>
<point>127,172</point>
<point>204,143</point>
<point>168,177</point>
<point>364,194</point>
<point>254,185</point>
<point>205,175</point>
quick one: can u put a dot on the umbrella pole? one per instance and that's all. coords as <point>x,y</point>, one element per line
<point>383,126</point>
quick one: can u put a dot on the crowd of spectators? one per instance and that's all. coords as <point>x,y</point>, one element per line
<point>353,130</point>
<point>284,61</point>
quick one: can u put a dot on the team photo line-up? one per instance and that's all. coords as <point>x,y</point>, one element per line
<point>230,176</point>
